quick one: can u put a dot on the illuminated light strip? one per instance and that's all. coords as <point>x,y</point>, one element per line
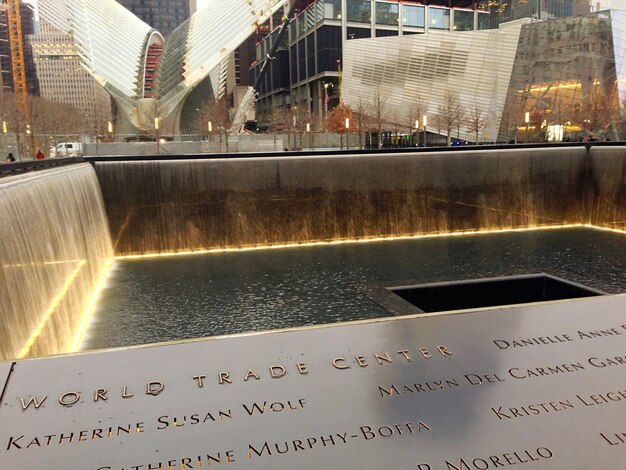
<point>346,241</point>
<point>90,307</point>
<point>51,309</point>
<point>44,263</point>
<point>606,229</point>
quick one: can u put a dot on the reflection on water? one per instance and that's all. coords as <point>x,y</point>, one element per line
<point>170,298</point>
<point>54,245</point>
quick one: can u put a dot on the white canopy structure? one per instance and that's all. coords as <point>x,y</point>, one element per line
<point>146,74</point>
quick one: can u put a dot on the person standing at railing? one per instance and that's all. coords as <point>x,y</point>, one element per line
<point>10,158</point>
<point>40,155</point>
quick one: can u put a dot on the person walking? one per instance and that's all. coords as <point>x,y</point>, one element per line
<point>40,155</point>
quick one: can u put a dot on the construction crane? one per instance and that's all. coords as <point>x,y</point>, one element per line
<point>14,24</point>
<point>247,104</point>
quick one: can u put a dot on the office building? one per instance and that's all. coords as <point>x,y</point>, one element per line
<point>163,15</point>
<point>62,78</point>
<point>307,66</point>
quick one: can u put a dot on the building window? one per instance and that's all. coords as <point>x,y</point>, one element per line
<point>463,20</point>
<point>483,20</point>
<point>359,11</point>
<point>387,13</point>
<point>386,32</point>
<point>413,15</point>
<point>328,48</point>
<point>359,33</point>
<point>299,26</point>
<point>439,18</point>
<point>332,9</point>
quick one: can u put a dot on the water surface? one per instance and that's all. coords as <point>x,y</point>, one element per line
<point>179,297</point>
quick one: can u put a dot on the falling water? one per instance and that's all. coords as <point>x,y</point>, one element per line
<point>55,247</point>
<point>167,206</point>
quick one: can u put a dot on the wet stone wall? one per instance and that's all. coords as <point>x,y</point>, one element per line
<point>162,206</point>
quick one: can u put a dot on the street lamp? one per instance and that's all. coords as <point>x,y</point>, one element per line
<point>308,129</point>
<point>5,130</point>
<point>29,132</point>
<point>158,140</point>
<point>347,133</point>
<point>326,100</point>
<point>417,132</point>
<point>527,121</point>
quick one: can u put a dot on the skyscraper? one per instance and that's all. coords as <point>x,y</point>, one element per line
<point>163,15</point>
<point>63,79</point>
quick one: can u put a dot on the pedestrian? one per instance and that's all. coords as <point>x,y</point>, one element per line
<point>40,155</point>
<point>10,158</point>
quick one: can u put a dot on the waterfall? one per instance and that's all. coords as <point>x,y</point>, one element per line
<point>160,206</point>
<point>55,247</point>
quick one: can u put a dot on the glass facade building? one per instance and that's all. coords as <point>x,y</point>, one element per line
<point>313,53</point>
<point>570,76</point>
<point>503,11</point>
<point>163,15</point>
<point>560,79</point>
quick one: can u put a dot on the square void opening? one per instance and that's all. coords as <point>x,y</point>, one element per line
<point>460,295</point>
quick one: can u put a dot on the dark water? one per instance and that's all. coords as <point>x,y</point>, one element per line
<point>170,298</point>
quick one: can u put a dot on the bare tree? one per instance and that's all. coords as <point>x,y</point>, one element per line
<point>450,114</point>
<point>362,121</point>
<point>414,116</point>
<point>53,118</point>
<point>298,120</point>
<point>7,110</point>
<point>220,117</point>
<point>379,112</point>
<point>277,122</point>
<point>475,121</point>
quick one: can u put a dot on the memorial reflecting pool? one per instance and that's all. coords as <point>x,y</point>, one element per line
<point>154,299</point>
